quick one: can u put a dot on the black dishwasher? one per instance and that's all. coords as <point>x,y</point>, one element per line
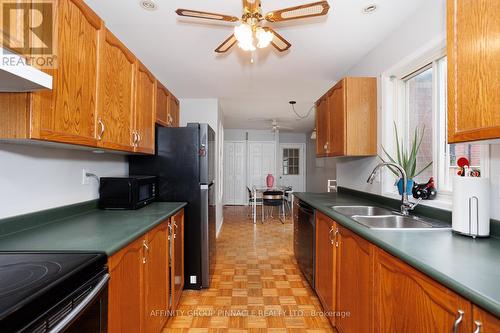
<point>304,241</point>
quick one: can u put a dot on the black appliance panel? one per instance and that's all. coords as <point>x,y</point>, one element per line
<point>131,192</point>
<point>305,242</point>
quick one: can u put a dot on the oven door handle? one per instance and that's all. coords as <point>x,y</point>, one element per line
<point>66,321</point>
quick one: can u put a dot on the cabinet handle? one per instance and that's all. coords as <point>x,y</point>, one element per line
<point>337,232</point>
<point>458,321</point>
<point>139,137</point>
<point>170,120</point>
<point>478,326</point>
<point>146,248</point>
<point>134,138</point>
<point>170,231</point>
<point>175,228</point>
<point>330,235</point>
<point>101,129</point>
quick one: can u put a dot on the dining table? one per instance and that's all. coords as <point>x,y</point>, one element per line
<point>258,193</point>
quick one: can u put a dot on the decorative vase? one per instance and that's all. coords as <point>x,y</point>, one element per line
<point>409,186</point>
<point>270,181</point>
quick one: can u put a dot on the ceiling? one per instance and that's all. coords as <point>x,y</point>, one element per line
<point>180,53</point>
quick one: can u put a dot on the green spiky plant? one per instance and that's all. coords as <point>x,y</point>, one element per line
<point>406,159</point>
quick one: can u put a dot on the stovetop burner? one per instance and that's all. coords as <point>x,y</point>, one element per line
<point>31,278</point>
<point>22,275</point>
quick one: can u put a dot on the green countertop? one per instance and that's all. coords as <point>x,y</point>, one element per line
<point>82,227</point>
<point>470,267</point>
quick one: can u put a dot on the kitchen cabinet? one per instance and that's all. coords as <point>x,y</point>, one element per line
<point>125,301</point>
<point>117,72</point>
<point>67,113</point>
<point>176,257</point>
<point>156,278</point>
<point>484,322</point>
<point>325,276</point>
<point>167,107</point>
<point>322,128</point>
<point>347,119</point>
<point>473,27</point>
<point>409,301</point>
<point>354,282</point>
<point>145,111</point>
<point>147,278</point>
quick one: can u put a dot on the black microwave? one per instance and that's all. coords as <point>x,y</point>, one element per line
<point>131,192</point>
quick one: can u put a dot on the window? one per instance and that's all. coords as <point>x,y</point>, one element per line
<point>422,105</point>
<point>291,161</point>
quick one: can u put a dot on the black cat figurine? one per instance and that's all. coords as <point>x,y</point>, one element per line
<point>425,191</point>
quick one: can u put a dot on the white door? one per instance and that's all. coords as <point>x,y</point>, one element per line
<point>261,162</point>
<point>292,166</point>
<point>234,173</point>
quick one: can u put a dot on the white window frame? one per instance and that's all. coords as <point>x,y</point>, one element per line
<point>394,101</point>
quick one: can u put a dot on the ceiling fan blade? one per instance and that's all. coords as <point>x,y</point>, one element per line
<point>309,10</point>
<point>280,43</point>
<point>206,15</point>
<point>226,45</point>
<point>251,6</point>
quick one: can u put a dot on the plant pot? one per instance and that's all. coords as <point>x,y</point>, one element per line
<point>409,186</point>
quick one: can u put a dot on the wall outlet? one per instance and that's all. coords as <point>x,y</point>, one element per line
<point>85,179</point>
<point>192,279</point>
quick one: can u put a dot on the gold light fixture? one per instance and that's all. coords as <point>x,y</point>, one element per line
<point>249,34</point>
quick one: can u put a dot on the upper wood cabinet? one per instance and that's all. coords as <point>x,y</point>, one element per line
<point>354,282</point>
<point>145,110</point>
<point>117,70</point>
<point>347,119</point>
<point>473,70</point>
<point>167,107</point>
<point>67,113</point>
<point>325,277</point>
<point>409,301</point>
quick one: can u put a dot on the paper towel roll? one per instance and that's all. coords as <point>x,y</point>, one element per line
<point>471,206</point>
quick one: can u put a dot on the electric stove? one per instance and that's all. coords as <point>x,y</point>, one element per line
<point>50,291</point>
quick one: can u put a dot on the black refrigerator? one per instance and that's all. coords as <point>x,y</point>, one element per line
<point>185,163</point>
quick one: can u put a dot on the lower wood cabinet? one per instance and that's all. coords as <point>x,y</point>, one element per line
<point>354,282</point>
<point>378,292</point>
<point>147,278</point>
<point>324,281</point>
<point>177,257</point>
<point>409,301</point>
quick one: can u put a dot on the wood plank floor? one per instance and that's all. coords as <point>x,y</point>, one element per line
<point>257,285</point>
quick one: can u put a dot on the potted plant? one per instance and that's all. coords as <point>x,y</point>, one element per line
<point>406,159</point>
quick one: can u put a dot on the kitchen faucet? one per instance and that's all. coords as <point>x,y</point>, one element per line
<point>406,205</point>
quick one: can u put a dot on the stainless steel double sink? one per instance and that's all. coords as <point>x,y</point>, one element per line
<point>385,219</point>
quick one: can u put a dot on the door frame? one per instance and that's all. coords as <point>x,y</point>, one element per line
<point>302,166</point>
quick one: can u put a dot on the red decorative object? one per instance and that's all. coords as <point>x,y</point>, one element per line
<point>270,181</point>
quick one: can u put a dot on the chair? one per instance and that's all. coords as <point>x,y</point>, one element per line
<point>288,199</point>
<point>258,201</point>
<point>273,199</point>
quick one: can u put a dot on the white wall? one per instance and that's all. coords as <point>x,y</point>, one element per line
<point>34,178</point>
<point>232,134</point>
<point>319,170</point>
<point>426,27</point>
<point>208,111</point>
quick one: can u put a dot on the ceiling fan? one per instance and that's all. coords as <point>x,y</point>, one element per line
<point>275,127</point>
<point>250,34</point>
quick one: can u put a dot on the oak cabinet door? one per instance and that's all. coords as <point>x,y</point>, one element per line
<point>322,128</point>
<point>67,112</point>
<point>125,303</point>
<point>408,301</point>
<point>162,106</point>
<point>354,282</point>
<point>325,262</point>
<point>473,70</point>
<point>336,110</point>
<point>177,257</point>
<point>156,279</point>
<point>484,321</point>
<point>116,94</point>
<point>145,110</point>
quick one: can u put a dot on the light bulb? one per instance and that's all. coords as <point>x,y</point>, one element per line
<point>264,37</point>
<point>244,35</point>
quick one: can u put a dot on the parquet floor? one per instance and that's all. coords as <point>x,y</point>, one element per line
<point>257,285</point>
